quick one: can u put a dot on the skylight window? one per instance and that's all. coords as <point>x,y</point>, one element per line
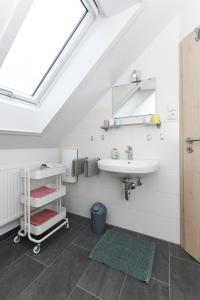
<point>44,34</point>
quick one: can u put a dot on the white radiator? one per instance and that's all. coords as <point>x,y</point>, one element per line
<point>10,191</point>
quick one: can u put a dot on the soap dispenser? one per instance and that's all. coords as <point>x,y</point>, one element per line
<point>115,153</point>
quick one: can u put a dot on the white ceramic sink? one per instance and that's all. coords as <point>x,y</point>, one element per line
<point>123,167</point>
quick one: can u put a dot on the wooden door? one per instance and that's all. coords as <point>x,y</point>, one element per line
<point>190,151</point>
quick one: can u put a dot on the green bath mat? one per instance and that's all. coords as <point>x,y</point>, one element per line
<point>126,253</point>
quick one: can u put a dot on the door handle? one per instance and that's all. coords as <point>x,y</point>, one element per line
<point>190,140</point>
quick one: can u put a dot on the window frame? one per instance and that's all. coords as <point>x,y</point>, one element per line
<point>59,61</point>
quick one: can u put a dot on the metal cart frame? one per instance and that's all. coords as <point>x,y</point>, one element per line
<point>26,231</point>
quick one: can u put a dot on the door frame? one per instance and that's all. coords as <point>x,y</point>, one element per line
<point>182,242</point>
<point>181,136</point>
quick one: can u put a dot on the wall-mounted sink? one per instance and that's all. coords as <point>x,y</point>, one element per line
<point>124,168</point>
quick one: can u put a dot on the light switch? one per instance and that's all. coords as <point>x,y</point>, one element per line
<point>171,112</point>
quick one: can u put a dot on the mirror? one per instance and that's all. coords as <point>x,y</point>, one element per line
<point>134,99</point>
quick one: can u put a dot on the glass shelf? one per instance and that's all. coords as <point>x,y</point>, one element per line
<point>158,125</point>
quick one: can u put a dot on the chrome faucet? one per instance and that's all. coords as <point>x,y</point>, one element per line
<point>130,152</point>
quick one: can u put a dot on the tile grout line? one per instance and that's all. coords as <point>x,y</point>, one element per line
<point>185,260</point>
<point>84,225</point>
<point>26,288</point>
<point>88,292</point>
<point>59,255</point>
<point>34,259</point>
<point>9,237</point>
<point>181,259</point>
<point>12,263</point>
<point>86,249</point>
<point>123,283</point>
<point>27,250</point>
<point>165,283</point>
<point>45,268</point>
<point>77,285</point>
<point>139,234</point>
<point>73,243</point>
<point>79,280</point>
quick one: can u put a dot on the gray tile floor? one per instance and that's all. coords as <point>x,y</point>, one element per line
<point>63,271</point>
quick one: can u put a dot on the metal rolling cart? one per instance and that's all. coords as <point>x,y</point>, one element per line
<point>43,206</point>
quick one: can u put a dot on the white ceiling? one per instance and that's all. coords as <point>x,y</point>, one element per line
<point>6,10</point>
<point>94,46</point>
<point>109,8</point>
<point>12,14</point>
<point>155,16</point>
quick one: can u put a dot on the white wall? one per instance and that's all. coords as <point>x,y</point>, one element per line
<point>189,16</point>
<point>20,156</point>
<point>154,207</point>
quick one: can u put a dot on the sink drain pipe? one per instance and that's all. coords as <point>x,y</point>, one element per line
<point>130,185</point>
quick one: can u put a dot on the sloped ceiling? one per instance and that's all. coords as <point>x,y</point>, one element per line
<point>12,14</point>
<point>108,8</point>
<point>101,34</point>
<point>155,16</point>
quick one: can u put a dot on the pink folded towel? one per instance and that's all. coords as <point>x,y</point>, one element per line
<point>42,217</point>
<point>41,192</point>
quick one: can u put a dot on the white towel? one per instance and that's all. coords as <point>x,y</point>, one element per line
<point>67,156</point>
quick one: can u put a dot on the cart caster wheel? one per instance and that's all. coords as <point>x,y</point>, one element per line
<point>36,249</point>
<point>67,225</point>
<point>16,239</point>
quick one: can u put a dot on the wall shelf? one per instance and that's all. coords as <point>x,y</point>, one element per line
<point>158,125</point>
